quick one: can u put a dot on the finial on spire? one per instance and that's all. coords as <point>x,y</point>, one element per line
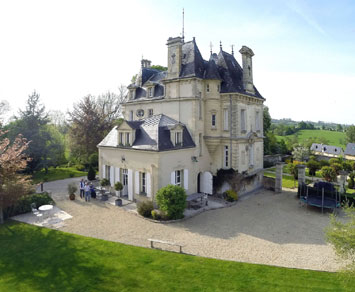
<point>232,50</point>
<point>211,46</point>
<point>220,45</point>
<point>183,24</point>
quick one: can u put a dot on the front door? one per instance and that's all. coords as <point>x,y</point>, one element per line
<point>125,181</point>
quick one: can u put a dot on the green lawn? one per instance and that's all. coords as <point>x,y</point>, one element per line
<point>40,259</point>
<point>287,180</point>
<point>57,173</point>
<point>334,138</point>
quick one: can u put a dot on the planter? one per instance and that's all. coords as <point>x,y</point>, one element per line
<point>118,202</point>
<point>118,193</point>
<point>104,197</point>
<point>72,197</point>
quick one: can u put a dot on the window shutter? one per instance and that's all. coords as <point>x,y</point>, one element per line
<point>149,186</point>
<point>112,175</point>
<point>130,184</point>
<point>186,179</point>
<point>172,178</point>
<point>104,171</point>
<point>117,174</point>
<point>136,182</point>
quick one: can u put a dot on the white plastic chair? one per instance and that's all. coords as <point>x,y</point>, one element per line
<point>35,212</point>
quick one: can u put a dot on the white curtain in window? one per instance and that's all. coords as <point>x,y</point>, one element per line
<point>186,179</point>
<point>149,185</point>
<point>172,178</point>
<point>130,184</point>
<point>136,182</point>
<point>112,175</point>
<point>117,174</point>
<point>103,171</point>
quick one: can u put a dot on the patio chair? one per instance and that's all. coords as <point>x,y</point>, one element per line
<point>35,212</point>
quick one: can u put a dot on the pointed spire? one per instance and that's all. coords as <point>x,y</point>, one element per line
<point>211,46</point>
<point>220,45</point>
<point>232,50</point>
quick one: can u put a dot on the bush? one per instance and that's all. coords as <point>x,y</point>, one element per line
<point>333,160</point>
<point>94,159</point>
<point>156,215</point>
<point>313,166</point>
<point>145,208</point>
<point>91,173</point>
<point>172,200</point>
<point>105,182</point>
<point>324,163</point>
<point>118,186</point>
<point>80,167</point>
<point>23,205</point>
<point>328,173</point>
<point>337,167</point>
<point>231,196</point>
<point>72,188</point>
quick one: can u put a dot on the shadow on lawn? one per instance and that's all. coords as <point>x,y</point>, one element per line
<point>45,260</point>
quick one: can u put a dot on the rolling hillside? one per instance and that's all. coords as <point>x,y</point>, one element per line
<point>334,138</point>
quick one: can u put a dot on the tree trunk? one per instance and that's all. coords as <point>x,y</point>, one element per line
<point>1,216</point>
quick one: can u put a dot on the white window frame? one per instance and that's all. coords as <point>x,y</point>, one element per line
<point>213,120</point>
<point>150,91</point>
<point>226,156</point>
<point>108,172</point>
<point>120,141</point>
<point>131,115</point>
<point>178,177</point>
<point>127,138</point>
<point>143,179</point>
<point>178,138</point>
<point>226,119</point>
<point>124,176</point>
<point>243,126</point>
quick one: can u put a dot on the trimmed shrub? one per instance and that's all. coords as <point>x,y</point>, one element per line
<point>91,173</point>
<point>328,173</point>
<point>313,166</point>
<point>72,188</point>
<point>337,167</point>
<point>23,205</point>
<point>231,196</point>
<point>172,200</point>
<point>105,182</point>
<point>118,186</point>
<point>145,208</point>
<point>156,215</point>
<point>80,167</point>
<point>94,159</point>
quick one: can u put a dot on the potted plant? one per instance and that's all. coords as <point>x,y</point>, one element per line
<point>72,188</point>
<point>104,183</point>
<point>118,187</point>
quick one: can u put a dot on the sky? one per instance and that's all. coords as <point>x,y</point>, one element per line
<point>304,63</point>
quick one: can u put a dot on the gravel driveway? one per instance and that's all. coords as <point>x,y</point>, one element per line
<point>265,228</point>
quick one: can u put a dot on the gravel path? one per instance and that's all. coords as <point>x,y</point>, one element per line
<point>265,228</point>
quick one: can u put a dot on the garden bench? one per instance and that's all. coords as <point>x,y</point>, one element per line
<point>165,242</point>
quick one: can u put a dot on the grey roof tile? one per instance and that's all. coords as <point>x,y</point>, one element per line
<point>350,149</point>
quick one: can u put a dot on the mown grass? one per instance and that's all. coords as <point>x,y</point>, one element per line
<point>334,138</point>
<point>287,180</point>
<point>40,259</point>
<point>56,173</point>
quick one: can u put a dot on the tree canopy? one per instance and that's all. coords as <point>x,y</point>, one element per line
<point>350,134</point>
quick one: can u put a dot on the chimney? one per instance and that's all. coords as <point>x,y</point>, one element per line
<point>174,57</point>
<point>146,63</point>
<point>247,54</point>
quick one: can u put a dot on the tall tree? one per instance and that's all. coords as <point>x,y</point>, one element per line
<point>13,185</point>
<point>350,134</point>
<point>91,119</point>
<point>4,107</point>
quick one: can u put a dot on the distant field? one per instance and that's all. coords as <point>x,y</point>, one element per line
<point>334,138</point>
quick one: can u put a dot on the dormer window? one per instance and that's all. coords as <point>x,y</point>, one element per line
<point>128,142</point>
<point>150,91</point>
<point>178,138</point>
<point>120,141</point>
<point>140,113</point>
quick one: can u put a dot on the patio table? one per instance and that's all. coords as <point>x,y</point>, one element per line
<point>45,209</point>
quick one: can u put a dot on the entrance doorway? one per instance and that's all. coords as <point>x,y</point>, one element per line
<point>205,183</point>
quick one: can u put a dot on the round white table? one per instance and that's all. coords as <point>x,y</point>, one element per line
<point>45,209</point>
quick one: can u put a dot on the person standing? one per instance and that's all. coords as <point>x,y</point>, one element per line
<point>82,186</point>
<point>87,192</point>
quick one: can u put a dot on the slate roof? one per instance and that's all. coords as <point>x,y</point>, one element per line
<point>151,134</point>
<point>350,149</point>
<point>329,149</point>
<point>223,67</point>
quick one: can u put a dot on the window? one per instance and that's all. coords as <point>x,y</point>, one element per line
<point>200,143</point>
<point>107,172</point>
<point>213,120</point>
<point>143,183</point>
<point>200,107</point>
<point>226,156</point>
<point>257,121</point>
<point>150,112</point>
<point>131,115</point>
<point>218,88</point>
<point>207,87</point>
<point>127,139</point>
<point>178,138</point>
<point>242,120</point>
<point>140,113</point>
<point>178,180</point>
<point>125,176</point>
<point>120,141</point>
<point>150,91</point>
<point>226,119</point>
